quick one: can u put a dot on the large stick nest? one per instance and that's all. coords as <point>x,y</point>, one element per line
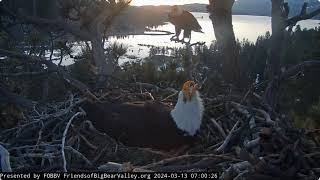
<point>239,138</point>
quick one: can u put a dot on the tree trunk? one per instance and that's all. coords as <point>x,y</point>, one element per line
<point>34,7</point>
<point>45,89</point>
<point>273,65</point>
<point>278,29</point>
<point>221,17</point>
<point>104,64</point>
<point>188,62</point>
<point>91,26</point>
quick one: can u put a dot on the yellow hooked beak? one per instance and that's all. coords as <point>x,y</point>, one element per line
<point>189,89</point>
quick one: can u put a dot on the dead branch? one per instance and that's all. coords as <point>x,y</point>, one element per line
<point>184,157</point>
<point>51,67</point>
<point>197,43</point>
<point>264,113</point>
<point>235,169</point>
<point>9,97</point>
<point>227,140</point>
<point>314,64</point>
<point>64,139</point>
<point>116,167</point>
<point>216,124</point>
<point>77,153</point>
<point>154,87</point>
<point>18,75</point>
<point>293,21</point>
<point>88,142</point>
<point>170,96</point>
<point>5,160</point>
<point>161,31</point>
<point>253,143</point>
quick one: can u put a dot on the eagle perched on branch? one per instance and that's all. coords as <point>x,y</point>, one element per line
<point>182,19</point>
<point>151,124</point>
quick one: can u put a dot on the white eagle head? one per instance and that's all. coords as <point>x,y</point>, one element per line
<point>188,111</point>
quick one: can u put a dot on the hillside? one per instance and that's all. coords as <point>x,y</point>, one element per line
<point>254,7</point>
<point>136,18</point>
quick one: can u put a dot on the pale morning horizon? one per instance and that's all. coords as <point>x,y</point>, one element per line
<point>166,2</point>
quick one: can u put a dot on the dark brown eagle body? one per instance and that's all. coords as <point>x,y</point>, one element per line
<point>141,125</point>
<point>182,19</point>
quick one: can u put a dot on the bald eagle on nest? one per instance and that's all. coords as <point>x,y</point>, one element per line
<point>151,124</point>
<point>182,19</point>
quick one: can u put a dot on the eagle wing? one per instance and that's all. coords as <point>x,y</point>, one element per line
<point>146,124</point>
<point>190,21</point>
<point>185,21</point>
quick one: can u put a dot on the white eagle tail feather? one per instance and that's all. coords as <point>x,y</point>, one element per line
<point>188,115</point>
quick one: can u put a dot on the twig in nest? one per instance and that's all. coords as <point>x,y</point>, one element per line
<point>154,87</point>
<point>92,128</point>
<point>104,95</point>
<point>216,124</point>
<point>64,139</point>
<point>150,95</point>
<point>40,133</point>
<point>88,142</point>
<point>101,153</point>
<point>210,131</point>
<point>264,113</point>
<point>252,143</point>
<point>245,96</point>
<point>116,167</point>
<point>228,138</point>
<point>5,160</point>
<point>183,157</point>
<point>169,96</point>
<point>235,170</point>
<point>215,146</point>
<point>156,152</point>
<point>78,154</point>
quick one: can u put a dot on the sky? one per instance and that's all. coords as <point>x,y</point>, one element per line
<point>165,2</point>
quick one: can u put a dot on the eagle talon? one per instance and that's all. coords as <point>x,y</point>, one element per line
<point>174,38</point>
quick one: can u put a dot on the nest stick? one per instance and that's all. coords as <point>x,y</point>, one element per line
<point>5,160</point>
<point>64,139</point>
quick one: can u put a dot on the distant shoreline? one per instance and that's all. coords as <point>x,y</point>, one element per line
<point>233,14</point>
<point>248,7</point>
<point>146,29</point>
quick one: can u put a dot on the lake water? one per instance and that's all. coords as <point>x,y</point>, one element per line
<point>245,27</point>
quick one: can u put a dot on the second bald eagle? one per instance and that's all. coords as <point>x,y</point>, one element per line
<point>182,19</point>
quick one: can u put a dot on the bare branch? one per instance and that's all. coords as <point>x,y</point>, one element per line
<point>116,167</point>
<point>58,24</point>
<point>300,67</point>
<point>197,43</point>
<point>64,139</point>
<point>9,97</point>
<point>227,140</point>
<point>5,160</point>
<point>293,21</point>
<point>184,157</point>
<point>26,74</point>
<point>264,113</point>
<point>216,124</point>
<point>154,87</point>
<point>51,66</point>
